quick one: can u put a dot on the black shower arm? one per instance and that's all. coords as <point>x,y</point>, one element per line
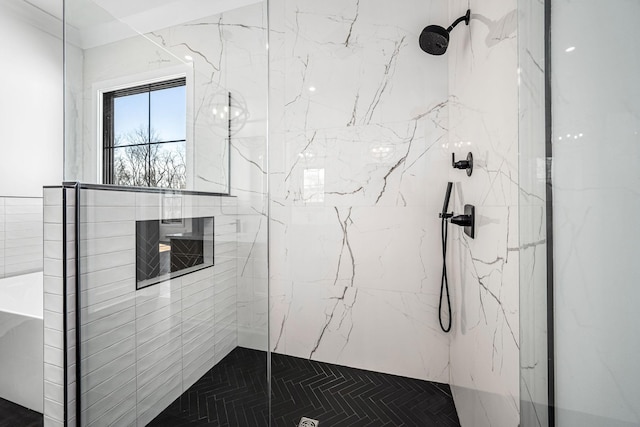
<point>464,18</point>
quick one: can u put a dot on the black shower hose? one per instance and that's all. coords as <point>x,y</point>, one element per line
<point>444,284</point>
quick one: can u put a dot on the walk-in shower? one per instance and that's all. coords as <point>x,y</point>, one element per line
<point>251,236</point>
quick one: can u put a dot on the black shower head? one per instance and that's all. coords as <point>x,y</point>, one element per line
<point>434,39</point>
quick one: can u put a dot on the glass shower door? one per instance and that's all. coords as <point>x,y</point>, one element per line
<point>596,135</point>
<point>164,162</point>
<point>578,147</point>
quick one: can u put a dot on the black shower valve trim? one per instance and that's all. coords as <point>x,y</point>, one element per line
<point>466,220</point>
<point>463,164</point>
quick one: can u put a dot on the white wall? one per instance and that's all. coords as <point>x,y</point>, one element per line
<point>20,235</point>
<point>355,260</point>
<point>596,149</point>
<point>31,103</point>
<point>483,118</point>
<point>245,76</point>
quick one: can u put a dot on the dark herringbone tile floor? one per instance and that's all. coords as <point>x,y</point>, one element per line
<point>12,415</point>
<point>234,393</point>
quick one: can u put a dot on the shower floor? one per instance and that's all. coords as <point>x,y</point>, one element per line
<point>234,393</point>
<point>12,415</point>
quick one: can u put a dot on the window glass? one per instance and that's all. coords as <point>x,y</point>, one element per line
<point>145,135</point>
<point>168,166</point>
<point>130,165</point>
<point>168,115</point>
<point>131,119</point>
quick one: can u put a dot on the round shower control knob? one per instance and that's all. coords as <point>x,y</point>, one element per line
<point>463,164</point>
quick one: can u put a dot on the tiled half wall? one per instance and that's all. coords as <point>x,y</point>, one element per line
<point>139,349</point>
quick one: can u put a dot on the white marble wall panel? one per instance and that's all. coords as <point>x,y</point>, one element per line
<point>484,272</point>
<point>357,164</point>
<point>362,328</point>
<point>351,63</point>
<point>203,42</point>
<point>358,121</point>
<point>140,348</point>
<point>20,235</point>
<point>246,76</point>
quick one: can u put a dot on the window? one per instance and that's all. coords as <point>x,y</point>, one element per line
<point>144,135</point>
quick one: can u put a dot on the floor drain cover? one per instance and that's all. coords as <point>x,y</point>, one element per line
<point>308,422</point>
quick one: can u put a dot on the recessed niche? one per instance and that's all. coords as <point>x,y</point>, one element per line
<point>169,249</point>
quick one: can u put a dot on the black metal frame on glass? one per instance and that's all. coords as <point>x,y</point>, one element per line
<point>108,123</point>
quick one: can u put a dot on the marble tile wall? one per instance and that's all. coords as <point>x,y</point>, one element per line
<point>246,78</point>
<point>142,349</point>
<point>20,235</point>
<point>358,120</point>
<point>483,118</point>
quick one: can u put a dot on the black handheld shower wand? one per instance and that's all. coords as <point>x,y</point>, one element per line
<point>444,283</point>
<point>466,220</point>
<point>445,205</point>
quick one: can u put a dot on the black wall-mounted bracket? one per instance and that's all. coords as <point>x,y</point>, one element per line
<point>467,220</point>
<point>463,164</point>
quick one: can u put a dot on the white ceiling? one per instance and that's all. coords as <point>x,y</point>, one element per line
<point>98,22</point>
<point>52,7</point>
<point>128,7</point>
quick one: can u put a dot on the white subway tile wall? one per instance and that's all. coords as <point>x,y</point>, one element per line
<point>54,256</point>
<point>20,235</point>
<point>142,349</point>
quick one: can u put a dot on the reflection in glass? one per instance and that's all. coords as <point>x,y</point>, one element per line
<point>165,250</point>
<point>313,185</point>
